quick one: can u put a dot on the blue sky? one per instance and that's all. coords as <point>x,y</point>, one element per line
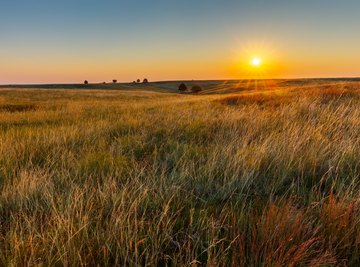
<point>68,41</point>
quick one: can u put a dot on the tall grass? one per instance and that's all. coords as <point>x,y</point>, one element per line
<point>146,178</point>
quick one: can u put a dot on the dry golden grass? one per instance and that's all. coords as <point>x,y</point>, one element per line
<point>143,178</point>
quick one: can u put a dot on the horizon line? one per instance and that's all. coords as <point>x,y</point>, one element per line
<point>188,80</point>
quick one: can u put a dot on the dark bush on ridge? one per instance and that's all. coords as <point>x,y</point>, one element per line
<point>86,82</point>
<point>145,80</point>
<point>196,89</point>
<point>182,87</point>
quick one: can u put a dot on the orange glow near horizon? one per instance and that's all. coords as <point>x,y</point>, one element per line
<point>256,60</point>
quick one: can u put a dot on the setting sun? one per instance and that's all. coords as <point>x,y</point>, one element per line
<point>256,62</point>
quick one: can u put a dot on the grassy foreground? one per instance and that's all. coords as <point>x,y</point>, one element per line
<point>145,178</point>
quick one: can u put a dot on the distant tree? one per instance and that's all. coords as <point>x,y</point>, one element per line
<point>86,82</point>
<point>114,81</point>
<point>196,89</point>
<point>134,82</point>
<point>138,80</point>
<point>182,87</point>
<point>145,80</point>
<point>104,82</point>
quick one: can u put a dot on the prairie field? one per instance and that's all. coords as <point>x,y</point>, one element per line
<point>241,174</point>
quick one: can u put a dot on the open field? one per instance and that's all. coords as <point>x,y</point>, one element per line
<point>242,174</point>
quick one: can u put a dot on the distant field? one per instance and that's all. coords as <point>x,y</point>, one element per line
<point>209,87</point>
<point>245,173</point>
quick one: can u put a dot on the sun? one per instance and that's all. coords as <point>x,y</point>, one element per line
<point>256,62</point>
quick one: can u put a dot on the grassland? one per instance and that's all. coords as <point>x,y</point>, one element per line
<point>143,176</point>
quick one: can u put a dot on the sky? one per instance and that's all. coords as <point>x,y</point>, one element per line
<point>69,41</point>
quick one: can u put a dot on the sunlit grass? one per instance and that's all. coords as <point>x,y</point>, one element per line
<point>147,178</point>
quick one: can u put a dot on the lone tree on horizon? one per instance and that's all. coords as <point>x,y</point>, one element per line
<point>138,80</point>
<point>86,82</point>
<point>145,80</point>
<point>114,81</point>
<point>182,87</point>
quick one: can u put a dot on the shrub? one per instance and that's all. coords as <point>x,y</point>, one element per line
<point>196,89</point>
<point>86,82</point>
<point>138,80</point>
<point>145,80</point>
<point>114,81</point>
<point>182,87</point>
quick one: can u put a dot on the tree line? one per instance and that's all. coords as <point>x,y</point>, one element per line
<point>115,81</point>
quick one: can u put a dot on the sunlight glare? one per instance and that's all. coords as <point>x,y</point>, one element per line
<point>256,62</point>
